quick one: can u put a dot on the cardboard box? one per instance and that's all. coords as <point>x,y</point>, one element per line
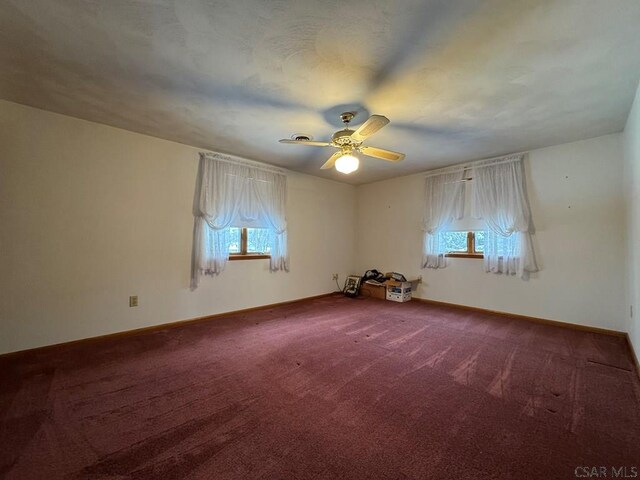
<point>373,291</point>
<point>398,291</point>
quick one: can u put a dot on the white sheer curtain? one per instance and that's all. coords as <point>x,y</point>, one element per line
<point>500,199</point>
<point>233,193</point>
<point>444,202</point>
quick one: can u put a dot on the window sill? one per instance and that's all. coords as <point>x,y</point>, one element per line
<point>464,255</point>
<point>249,256</point>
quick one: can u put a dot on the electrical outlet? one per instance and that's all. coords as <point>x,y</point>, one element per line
<point>335,276</point>
<point>133,301</point>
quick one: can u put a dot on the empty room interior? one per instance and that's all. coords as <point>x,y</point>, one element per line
<point>293,239</point>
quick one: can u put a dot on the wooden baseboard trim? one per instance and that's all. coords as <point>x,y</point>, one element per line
<point>542,321</point>
<point>633,354</point>
<point>163,326</point>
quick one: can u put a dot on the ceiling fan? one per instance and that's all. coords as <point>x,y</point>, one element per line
<point>350,142</point>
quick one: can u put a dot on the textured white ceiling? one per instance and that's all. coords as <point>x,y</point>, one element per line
<point>460,80</point>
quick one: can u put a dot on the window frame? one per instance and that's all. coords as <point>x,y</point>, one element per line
<point>243,254</point>
<point>471,249</point>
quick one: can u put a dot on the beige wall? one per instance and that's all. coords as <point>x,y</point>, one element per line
<point>631,137</point>
<point>91,214</point>
<point>577,204</point>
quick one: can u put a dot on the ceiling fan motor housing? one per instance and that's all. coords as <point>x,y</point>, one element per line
<point>343,138</point>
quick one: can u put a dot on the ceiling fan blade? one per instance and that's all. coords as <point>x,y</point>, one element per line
<point>332,160</point>
<point>387,155</point>
<point>368,128</point>
<point>305,142</point>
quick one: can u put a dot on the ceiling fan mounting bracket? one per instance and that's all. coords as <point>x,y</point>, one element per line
<point>347,117</point>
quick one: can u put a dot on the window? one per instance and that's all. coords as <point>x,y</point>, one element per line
<point>463,244</point>
<point>248,243</point>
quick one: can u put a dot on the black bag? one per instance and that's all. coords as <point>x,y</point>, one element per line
<point>373,275</point>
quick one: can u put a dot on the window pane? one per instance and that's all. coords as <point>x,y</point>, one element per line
<point>454,241</point>
<point>257,240</point>
<point>234,240</point>
<point>479,241</point>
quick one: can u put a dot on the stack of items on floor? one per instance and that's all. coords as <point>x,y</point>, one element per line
<point>391,286</point>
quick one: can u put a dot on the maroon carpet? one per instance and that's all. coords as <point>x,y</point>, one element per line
<point>330,388</point>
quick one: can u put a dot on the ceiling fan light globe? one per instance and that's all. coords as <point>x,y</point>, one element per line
<point>347,163</point>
